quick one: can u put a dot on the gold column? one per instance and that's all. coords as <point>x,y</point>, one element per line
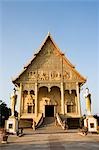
<point>62,86</point>
<point>78,99</point>
<point>20,99</point>
<point>36,97</point>
<point>62,98</point>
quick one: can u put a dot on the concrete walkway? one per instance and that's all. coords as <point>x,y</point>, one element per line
<point>52,141</point>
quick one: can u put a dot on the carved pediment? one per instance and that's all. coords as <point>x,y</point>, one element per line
<point>47,101</point>
<point>29,98</point>
<point>49,65</point>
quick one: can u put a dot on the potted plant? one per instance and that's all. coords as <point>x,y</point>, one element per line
<point>4,135</point>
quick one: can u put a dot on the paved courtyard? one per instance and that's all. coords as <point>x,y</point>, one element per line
<point>52,141</point>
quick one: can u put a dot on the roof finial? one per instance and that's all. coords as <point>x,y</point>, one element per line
<point>49,33</point>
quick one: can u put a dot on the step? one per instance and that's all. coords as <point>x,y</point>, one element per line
<point>48,121</point>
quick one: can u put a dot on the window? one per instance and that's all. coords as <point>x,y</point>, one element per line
<point>29,109</point>
<point>70,108</point>
<point>32,92</point>
<point>91,125</point>
<point>10,126</point>
<point>25,93</point>
<point>31,73</point>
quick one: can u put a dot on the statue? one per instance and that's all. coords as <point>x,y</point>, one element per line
<point>13,101</point>
<point>87,97</point>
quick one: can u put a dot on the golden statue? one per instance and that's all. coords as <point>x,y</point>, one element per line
<point>87,97</point>
<point>13,101</point>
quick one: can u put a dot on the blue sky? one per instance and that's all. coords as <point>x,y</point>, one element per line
<point>74,26</point>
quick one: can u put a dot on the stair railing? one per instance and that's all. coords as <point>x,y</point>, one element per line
<point>39,123</point>
<point>60,122</point>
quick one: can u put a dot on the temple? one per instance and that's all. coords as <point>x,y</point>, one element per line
<point>49,86</point>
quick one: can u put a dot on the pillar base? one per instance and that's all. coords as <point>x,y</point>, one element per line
<point>12,125</point>
<point>91,123</point>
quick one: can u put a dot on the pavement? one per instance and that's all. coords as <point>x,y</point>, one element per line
<point>34,140</point>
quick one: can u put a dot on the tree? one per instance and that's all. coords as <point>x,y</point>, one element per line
<point>5,112</point>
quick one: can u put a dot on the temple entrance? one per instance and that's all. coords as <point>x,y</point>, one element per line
<point>49,110</point>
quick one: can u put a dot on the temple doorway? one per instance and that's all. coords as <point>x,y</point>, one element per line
<point>49,110</point>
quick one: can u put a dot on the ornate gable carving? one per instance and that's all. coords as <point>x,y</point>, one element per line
<point>49,65</point>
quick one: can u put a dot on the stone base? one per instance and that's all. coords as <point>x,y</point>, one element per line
<point>25,123</point>
<point>91,123</point>
<point>4,139</point>
<point>12,125</point>
<point>4,142</point>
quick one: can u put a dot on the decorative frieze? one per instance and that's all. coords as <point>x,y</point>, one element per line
<point>28,87</point>
<point>70,86</point>
<point>48,75</point>
<point>67,75</point>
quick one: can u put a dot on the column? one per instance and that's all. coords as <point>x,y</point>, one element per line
<point>20,99</point>
<point>36,97</point>
<point>65,107</point>
<point>62,98</point>
<point>78,99</point>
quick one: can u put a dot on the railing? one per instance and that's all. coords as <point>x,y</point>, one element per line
<point>38,124</point>
<point>60,122</point>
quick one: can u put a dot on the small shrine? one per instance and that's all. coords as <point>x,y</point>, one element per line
<point>89,122</point>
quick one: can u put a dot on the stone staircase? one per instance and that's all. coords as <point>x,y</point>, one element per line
<point>48,122</point>
<point>49,126</point>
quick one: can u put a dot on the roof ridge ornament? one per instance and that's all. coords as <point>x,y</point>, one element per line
<point>49,33</point>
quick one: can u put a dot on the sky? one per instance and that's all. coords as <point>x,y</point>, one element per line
<point>74,26</point>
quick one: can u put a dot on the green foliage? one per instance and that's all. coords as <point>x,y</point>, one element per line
<point>5,112</point>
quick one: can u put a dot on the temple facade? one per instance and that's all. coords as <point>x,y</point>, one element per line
<point>48,85</point>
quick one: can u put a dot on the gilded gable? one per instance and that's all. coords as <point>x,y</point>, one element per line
<point>49,65</point>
